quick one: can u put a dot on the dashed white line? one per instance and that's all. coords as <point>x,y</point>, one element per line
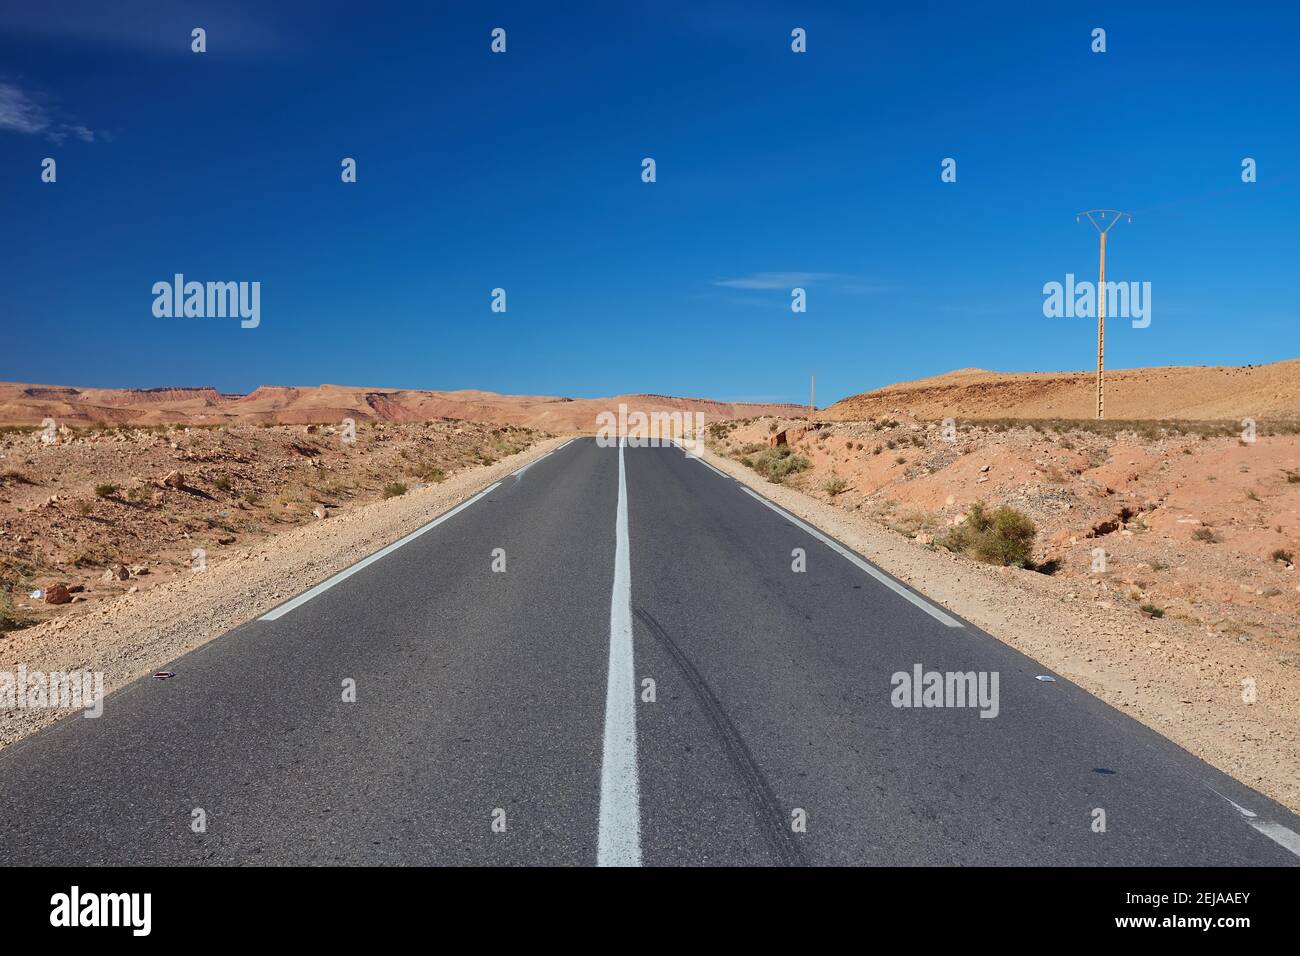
<point>939,615</point>
<point>324,586</point>
<point>618,840</point>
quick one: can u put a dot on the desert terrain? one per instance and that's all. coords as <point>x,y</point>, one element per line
<point>99,512</point>
<point>1157,561</point>
<point>23,404</point>
<point>1191,392</point>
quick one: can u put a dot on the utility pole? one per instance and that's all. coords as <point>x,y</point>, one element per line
<point>1102,227</point>
<point>812,396</point>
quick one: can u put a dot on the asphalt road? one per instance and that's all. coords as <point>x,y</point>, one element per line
<point>503,717</point>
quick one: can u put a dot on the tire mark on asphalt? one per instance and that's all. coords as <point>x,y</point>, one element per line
<point>771,815</point>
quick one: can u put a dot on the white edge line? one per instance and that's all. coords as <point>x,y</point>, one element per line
<point>618,840</point>
<point>880,576</point>
<point>516,474</point>
<point>324,586</point>
<point>1283,836</point>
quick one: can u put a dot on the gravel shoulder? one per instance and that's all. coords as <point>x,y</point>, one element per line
<point>1178,679</point>
<point>136,633</point>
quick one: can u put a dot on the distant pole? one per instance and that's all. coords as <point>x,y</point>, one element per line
<point>812,397</point>
<point>1093,216</point>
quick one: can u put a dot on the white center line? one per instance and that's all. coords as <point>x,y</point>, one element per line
<point>619,835</point>
<point>306,596</point>
<point>880,576</point>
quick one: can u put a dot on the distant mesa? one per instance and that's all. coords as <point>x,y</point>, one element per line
<point>26,404</point>
<point>1174,392</point>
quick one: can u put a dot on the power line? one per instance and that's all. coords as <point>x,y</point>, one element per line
<point>1098,218</point>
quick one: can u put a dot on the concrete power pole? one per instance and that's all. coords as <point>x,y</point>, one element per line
<point>1103,227</point>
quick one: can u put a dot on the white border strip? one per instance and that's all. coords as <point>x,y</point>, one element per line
<point>324,586</point>
<point>880,576</point>
<point>1279,834</point>
<point>516,474</point>
<point>618,840</point>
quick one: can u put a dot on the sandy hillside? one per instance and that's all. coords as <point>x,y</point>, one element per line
<point>24,404</point>
<point>1199,392</point>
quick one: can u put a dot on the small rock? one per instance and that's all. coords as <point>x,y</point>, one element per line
<point>174,479</point>
<point>319,511</point>
<point>58,594</point>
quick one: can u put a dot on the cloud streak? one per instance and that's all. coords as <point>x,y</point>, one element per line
<point>20,112</point>
<point>770,281</point>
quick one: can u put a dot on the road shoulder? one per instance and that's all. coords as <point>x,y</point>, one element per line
<point>1174,678</point>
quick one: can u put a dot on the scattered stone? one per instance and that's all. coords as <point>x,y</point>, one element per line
<point>58,594</point>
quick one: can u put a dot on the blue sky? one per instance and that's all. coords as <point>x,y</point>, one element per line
<point>523,170</point>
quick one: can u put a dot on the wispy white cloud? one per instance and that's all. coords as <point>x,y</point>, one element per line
<point>19,112</point>
<point>789,280</point>
<point>23,112</point>
<point>775,280</point>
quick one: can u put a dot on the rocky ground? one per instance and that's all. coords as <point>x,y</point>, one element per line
<point>89,514</point>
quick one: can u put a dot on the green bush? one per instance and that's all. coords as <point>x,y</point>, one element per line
<point>835,485</point>
<point>105,491</point>
<point>1004,537</point>
<point>778,463</point>
<point>428,473</point>
<point>394,489</point>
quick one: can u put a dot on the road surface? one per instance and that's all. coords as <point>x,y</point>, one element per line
<point>502,717</point>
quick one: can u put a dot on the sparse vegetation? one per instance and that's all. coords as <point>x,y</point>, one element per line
<point>15,578</point>
<point>394,489</point>
<point>1150,610</point>
<point>835,485</point>
<point>105,491</point>
<point>778,463</point>
<point>1003,537</point>
<point>1207,535</point>
<point>1281,554</point>
<point>428,473</point>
